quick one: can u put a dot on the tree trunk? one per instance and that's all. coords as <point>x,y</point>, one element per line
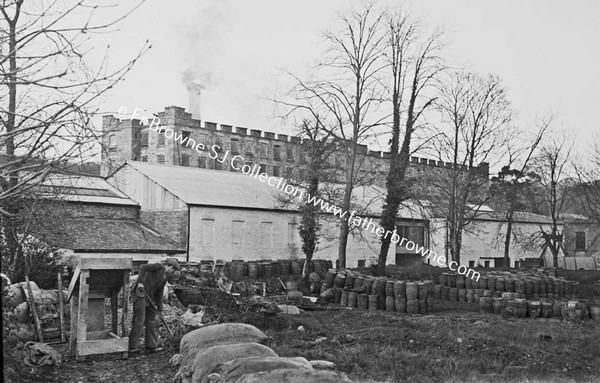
<point>507,240</point>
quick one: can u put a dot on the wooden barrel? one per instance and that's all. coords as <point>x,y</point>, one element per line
<point>239,270</point>
<point>295,267</point>
<point>453,294</point>
<point>268,269</point>
<point>462,295</point>
<point>285,266</point>
<point>400,289</point>
<point>422,290</point>
<point>500,286</point>
<point>350,281</point>
<point>542,287</point>
<point>412,306</point>
<point>437,291</point>
<point>487,293</point>
<point>330,277</point>
<point>344,299</point>
<point>400,305</point>
<point>378,287</point>
<point>412,291</point>
<point>452,280</point>
<point>546,309</point>
<point>443,279</point>
<point>373,302</point>
<point>352,299</point>
<point>340,280</point>
<point>536,286</point>
<point>460,281</point>
<point>529,288</point>
<point>483,282</point>
<point>429,305</point>
<point>533,309</point>
<point>549,286</point>
<point>422,306</point>
<point>446,293</point>
<point>518,308</point>
<point>276,266</point>
<point>498,305</point>
<point>252,270</point>
<point>390,303</point>
<point>470,296</point>
<point>368,285</point>
<point>520,286</point>
<point>477,293</point>
<point>359,282</point>
<point>491,282</point>
<point>468,283</point>
<point>363,302</point>
<point>389,289</point>
<point>338,295</point>
<point>485,305</point>
<point>509,284</point>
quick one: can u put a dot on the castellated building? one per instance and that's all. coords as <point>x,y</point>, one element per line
<point>278,155</point>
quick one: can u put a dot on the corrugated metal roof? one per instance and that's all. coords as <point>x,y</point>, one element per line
<point>80,188</point>
<point>196,186</point>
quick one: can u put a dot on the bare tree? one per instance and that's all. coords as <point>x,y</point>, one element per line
<point>345,92</point>
<point>588,182</point>
<point>475,130</point>
<point>552,168</point>
<point>52,95</point>
<point>414,65</point>
<point>513,180</point>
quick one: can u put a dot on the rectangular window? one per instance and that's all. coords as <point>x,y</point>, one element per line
<point>486,263</point>
<point>415,234</point>
<point>145,140</point>
<point>292,233</point>
<point>161,139</point>
<point>203,142</point>
<point>264,150</point>
<point>266,234</point>
<point>202,162</point>
<point>263,169</point>
<point>580,240</point>
<point>144,158</point>
<point>290,154</point>
<point>361,263</point>
<point>276,171</point>
<point>234,147</point>
<point>219,142</point>
<point>288,173</point>
<point>185,160</point>
<point>206,232</point>
<point>185,136</point>
<point>249,148</point>
<point>160,158</point>
<point>277,153</point>
<point>218,165</point>
<point>471,264</point>
<point>237,233</point>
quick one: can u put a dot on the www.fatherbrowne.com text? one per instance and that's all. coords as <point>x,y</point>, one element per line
<point>279,183</point>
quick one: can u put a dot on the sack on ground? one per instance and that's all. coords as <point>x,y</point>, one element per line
<point>231,371</point>
<point>295,376</point>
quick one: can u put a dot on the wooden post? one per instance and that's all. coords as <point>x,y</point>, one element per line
<point>114,310</point>
<point>83,309</point>
<point>34,312</point>
<point>74,323</point>
<point>61,307</point>
<point>125,315</point>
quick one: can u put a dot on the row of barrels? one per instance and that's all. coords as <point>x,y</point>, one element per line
<point>355,290</point>
<point>531,287</point>
<point>238,269</point>
<point>544,308</point>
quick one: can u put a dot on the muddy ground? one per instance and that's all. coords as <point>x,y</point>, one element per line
<point>455,343</point>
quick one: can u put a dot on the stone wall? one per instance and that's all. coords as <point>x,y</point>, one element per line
<point>170,224</point>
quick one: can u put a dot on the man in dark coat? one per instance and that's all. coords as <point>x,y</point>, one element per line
<point>151,282</point>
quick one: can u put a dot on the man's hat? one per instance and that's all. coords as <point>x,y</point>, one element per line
<point>173,263</point>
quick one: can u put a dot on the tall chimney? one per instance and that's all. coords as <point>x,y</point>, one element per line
<point>194,95</point>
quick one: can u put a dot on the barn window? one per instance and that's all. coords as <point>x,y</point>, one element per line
<point>580,240</point>
<point>276,171</point>
<point>277,153</point>
<point>144,140</point>
<point>202,162</point>
<point>361,263</point>
<point>161,139</point>
<point>160,158</point>
<point>185,160</point>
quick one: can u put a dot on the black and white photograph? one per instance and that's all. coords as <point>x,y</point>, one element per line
<point>268,191</point>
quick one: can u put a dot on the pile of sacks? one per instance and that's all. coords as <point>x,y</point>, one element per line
<point>15,305</point>
<point>236,353</point>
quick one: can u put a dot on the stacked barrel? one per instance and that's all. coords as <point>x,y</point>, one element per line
<point>357,291</point>
<point>264,269</point>
<point>518,294</point>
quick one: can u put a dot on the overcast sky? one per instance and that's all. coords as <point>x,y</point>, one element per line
<point>547,52</point>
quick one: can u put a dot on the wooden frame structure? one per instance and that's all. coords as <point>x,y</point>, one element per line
<point>94,280</point>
